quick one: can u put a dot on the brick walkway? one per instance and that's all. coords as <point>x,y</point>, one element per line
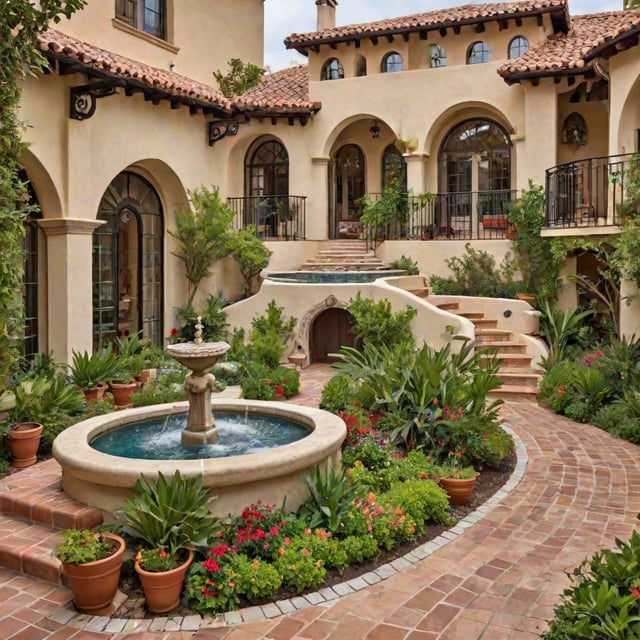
<point>494,578</point>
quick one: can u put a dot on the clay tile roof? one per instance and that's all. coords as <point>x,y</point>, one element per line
<point>466,14</point>
<point>285,91</point>
<point>590,35</point>
<point>61,46</point>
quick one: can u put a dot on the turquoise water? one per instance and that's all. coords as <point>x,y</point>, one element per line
<point>335,277</point>
<point>160,438</point>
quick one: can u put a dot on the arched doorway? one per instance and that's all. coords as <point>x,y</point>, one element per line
<point>474,170</point>
<point>330,330</point>
<point>128,262</point>
<point>348,187</point>
<point>267,185</point>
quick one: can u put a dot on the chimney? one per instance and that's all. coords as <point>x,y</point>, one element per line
<point>326,14</point>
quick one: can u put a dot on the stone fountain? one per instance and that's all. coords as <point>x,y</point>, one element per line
<point>199,356</point>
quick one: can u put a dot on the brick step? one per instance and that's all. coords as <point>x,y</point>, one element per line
<point>421,293</point>
<point>519,379</point>
<point>512,360</point>
<point>484,323</point>
<point>471,315</point>
<point>448,306</point>
<point>27,548</point>
<point>514,393</point>
<point>489,335</point>
<point>345,254</point>
<point>502,346</point>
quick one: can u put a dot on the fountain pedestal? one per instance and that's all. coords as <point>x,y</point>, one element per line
<point>199,357</point>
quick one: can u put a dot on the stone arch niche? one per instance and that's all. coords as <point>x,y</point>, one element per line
<point>324,329</point>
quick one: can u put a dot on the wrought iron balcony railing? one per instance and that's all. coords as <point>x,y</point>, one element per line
<point>282,217</point>
<point>592,192</point>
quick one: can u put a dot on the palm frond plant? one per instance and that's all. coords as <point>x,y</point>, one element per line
<point>559,328</point>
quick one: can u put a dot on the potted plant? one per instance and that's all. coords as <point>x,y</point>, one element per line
<point>91,563</point>
<point>169,520</point>
<point>456,480</point>
<point>130,362</point>
<point>90,371</point>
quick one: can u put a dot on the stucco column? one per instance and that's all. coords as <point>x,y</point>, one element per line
<point>629,313</point>
<point>318,200</point>
<point>541,135</point>
<point>69,299</point>
<point>416,185</point>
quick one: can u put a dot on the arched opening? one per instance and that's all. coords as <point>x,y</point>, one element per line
<point>394,167</point>
<point>360,66</point>
<point>267,184</point>
<point>128,263</point>
<point>330,330</point>
<point>518,47</point>
<point>474,171</point>
<point>392,63</point>
<point>332,70</point>
<point>348,187</point>
<point>30,341</point>
<point>478,53</point>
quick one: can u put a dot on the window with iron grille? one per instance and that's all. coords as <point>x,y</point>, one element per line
<point>147,15</point>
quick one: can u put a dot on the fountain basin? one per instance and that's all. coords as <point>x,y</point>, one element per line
<point>105,481</point>
<point>197,357</point>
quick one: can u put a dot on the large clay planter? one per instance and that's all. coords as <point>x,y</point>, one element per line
<point>162,589</point>
<point>24,440</point>
<point>121,392</point>
<point>458,489</point>
<point>94,584</point>
<point>95,393</point>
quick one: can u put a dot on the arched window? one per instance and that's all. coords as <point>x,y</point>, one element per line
<point>574,130</point>
<point>350,183</point>
<point>332,70</point>
<point>475,157</point>
<point>478,53</point>
<point>518,47</point>
<point>437,56</point>
<point>361,66</point>
<point>267,181</point>
<point>392,62</point>
<point>128,262</point>
<point>394,167</point>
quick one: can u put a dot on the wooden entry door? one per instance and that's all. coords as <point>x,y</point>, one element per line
<point>331,330</point>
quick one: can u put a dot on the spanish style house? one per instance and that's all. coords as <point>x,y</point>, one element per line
<point>464,104</point>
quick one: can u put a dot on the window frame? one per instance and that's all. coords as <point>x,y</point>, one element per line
<point>332,69</point>
<point>134,12</point>
<point>440,59</point>
<point>522,45</point>
<point>392,66</point>
<point>478,47</point>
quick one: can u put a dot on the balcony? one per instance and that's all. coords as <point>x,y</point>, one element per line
<point>273,217</point>
<point>592,193</point>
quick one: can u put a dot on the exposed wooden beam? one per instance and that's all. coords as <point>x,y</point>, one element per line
<point>503,25</point>
<point>175,104</point>
<point>456,29</point>
<point>193,109</point>
<point>389,37</point>
<point>479,28</point>
<point>518,22</point>
<point>539,19</point>
<point>443,32</point>
<point>405,36</point>
<point>291,121</point>
<point>424,35</point>
<point>374,40</point>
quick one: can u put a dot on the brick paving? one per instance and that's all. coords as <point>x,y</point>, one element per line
<point>495,576</point>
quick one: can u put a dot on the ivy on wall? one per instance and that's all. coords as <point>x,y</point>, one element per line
<point>20,23</point>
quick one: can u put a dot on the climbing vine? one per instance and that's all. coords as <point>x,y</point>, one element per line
<point>20,23</point>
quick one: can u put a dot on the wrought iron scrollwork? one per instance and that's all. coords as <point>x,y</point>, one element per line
<point>82,100</point>
<point>221,129</point>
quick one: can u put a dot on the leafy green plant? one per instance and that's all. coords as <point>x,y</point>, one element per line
<point>421,500</point>
<point>259,382</point>
<point>159,391</point>
<point>250,254</point>
<point>537,263</point>
<point>331,496</point>
<point>338,393</point>
<point>213,318</point>
<point>559,327</point>
<point>387,214</point>
<point>375,323</point>
<point>240,77</point>
<point>360,548</point>
<point>201,233</point>
<point>256,579</point>
<point>90,369</point>
<point>80,546</point>
<point>169,514</point>
<point>299,570</point>
<point>405,263</point>
<point>269,336</point>
<point>475,273</point>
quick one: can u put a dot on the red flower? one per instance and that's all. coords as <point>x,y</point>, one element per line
<point>435,402</point>
<point>279,390</point>
<point>635,593</point>
<point>210,564</point>
<point>174,332</point>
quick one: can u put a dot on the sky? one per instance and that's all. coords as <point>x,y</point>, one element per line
<point>284,17</point>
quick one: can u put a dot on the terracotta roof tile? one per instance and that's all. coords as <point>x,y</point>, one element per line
<point>285,91</point>
<point>469,13</point>
<point>60,45</point>
<point>588,34</point>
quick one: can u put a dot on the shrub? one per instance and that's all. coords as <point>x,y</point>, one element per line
<point>158,391</point>
<point>260,382</point>
<point>476,274</point>
<point>255,579</point>
<point>360,548</point>
<point>376,324</point>
<point>338,393</point>
<point>269,336</point>
<point>405,263</point>
<point>213,319</point>
<point>322,547</point>
<point>299,570</point>
<point>421,500</point>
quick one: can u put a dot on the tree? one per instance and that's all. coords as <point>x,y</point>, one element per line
<point>239,78</point>
<point>202,232</point>
<point>250,253</point>
<point>20,23</point>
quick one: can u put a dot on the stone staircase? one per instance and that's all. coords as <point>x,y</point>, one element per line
<point>520,379</point>
<point>344,255</point>
<point>33,513</point>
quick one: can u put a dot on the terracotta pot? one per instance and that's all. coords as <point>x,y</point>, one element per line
<point>95,393</point>
<point>458,489</point>
<point>162,589</point>
<point>24,440</point>
<point>147,375</point>
<point>94,584</point>
<point>121,392</point>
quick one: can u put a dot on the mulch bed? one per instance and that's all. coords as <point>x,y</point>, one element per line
<point>487,484</point>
